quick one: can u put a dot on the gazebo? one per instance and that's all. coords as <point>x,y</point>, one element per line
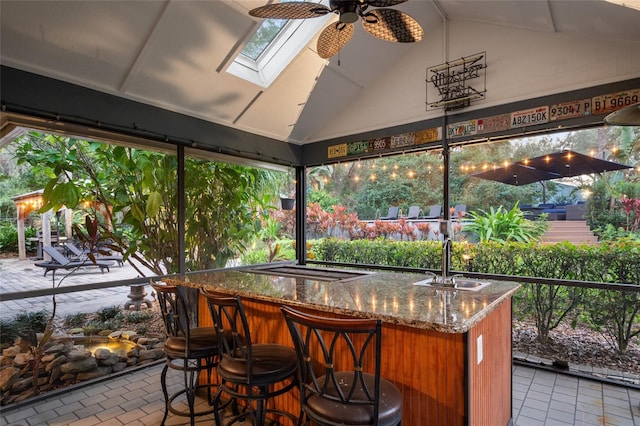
<point>25,204</point>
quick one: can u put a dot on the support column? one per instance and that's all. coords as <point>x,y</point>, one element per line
<point>22,243</point>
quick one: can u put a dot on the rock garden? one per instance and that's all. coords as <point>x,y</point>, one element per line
<point>83,347</point>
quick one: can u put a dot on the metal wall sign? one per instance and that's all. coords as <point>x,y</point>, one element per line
<point>453,85</point>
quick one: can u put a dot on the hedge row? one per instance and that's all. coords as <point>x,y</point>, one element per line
<point>609,263</point>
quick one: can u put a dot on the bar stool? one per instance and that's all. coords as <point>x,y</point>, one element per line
<point>188,349</point>
<point>249,371</point>
<point>333,355</point>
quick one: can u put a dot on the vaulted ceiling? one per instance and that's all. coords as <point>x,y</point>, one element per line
<point>174,53</point>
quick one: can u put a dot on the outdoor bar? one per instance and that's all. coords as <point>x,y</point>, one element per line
<point>448,350</point>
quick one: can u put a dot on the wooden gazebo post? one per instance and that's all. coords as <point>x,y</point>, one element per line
<point>25,204</point>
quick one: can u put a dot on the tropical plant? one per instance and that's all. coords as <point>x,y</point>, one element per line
<point>501,225</point>
<point>134,193</point>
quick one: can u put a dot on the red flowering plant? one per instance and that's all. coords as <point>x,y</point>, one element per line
<point>631,208</point>
<point>407,230</point>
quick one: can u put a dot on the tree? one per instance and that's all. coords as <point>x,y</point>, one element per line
<point>134,194</point>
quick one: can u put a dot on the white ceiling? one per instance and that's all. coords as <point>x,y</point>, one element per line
<point>173,54</point>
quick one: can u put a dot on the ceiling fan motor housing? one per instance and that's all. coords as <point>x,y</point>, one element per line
<point>347,10</point>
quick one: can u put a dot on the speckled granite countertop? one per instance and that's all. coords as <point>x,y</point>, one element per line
<point>389,296</point>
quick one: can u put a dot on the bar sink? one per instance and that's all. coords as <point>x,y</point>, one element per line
<point>453,283</point>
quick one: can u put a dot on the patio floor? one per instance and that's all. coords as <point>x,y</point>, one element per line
<point>539,398</point>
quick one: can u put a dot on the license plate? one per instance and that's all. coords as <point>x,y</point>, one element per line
<point>530,117</point>
<point>568,110</point>
<point>612,102</point>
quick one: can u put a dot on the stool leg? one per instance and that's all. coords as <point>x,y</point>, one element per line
<point>190,389</point>
<point>163,382</point>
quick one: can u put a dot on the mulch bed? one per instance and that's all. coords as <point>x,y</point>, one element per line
<point>579,345</point>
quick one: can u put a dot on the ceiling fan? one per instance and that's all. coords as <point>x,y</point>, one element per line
<point>386,24</point>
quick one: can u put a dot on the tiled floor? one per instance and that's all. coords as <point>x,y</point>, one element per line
<point>539,398</point>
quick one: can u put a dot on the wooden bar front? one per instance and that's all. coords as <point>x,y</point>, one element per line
<point>441,376</point>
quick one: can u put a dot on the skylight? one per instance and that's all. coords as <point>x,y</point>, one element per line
<point>273,47</point>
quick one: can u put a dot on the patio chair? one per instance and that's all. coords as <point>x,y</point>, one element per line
<point>434,212</point>
<point>83,254</point>
<point>392,214</point>
<point>459,211</point>
<point>60,261</point>
<point>413,213</point>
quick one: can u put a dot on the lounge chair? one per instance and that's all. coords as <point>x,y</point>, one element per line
<point>413,213</point>
<point>459,211</point>
<point>60,261</point>
<point>434,212</point>
<point>392,214</point>
<point>83,254</point>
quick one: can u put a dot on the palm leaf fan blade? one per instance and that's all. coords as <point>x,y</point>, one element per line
<point>290,10</point>
<point>392,25</point>
<point>333,38</point>
<point>385,3</point>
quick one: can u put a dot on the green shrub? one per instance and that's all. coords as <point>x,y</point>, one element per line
<point>8,237</point>
<point>22,324</point>
<point>136,317</point>
<point>95,327</point>
<point>36,321</point>
<point>76,320</point>
<point>8,331</point>
<point>107,313</point>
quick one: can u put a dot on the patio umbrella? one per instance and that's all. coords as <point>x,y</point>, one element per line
<point>569,163</point>
<point>517,174</point>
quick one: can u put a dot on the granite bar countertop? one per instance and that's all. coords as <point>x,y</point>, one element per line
<point>390,296</point>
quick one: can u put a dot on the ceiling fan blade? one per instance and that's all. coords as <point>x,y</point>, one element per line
<point>392,25</point>
<point>290,10</point>
<point>384,3</point>
<point>333,38</point>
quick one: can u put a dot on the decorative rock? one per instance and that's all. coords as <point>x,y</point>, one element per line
<point>56,363</point>
<point>102,353</point>
<point>5,360</point>
<point>78,330</point>
<point>133,352</point>
<point>115,335</point>
<point>24,395</point>
<point>22,359</point>
<point>94,374</point>
<point>55,374</point>
<point>150,354</point>
<point>132,361</point>
<point>22,384</point>
<point>111,360</point>
<point>119,366</point>
<point>8,376</point>
<point>68,377</point>
<point>79,365</point>
<point>12,351</point>
<point>129,334</point>
<point>78,355</point>
<point>105,333</point>
<point>148,341</point>
<point>54,349</point>
<point>48,358</point>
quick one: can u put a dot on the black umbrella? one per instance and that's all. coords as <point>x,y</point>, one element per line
<point>569,163</point>
<point>517,174</point>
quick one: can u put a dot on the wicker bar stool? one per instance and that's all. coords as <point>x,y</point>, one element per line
<point>333,355</point>
<point>248,371</point>
<point>188,349</point>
